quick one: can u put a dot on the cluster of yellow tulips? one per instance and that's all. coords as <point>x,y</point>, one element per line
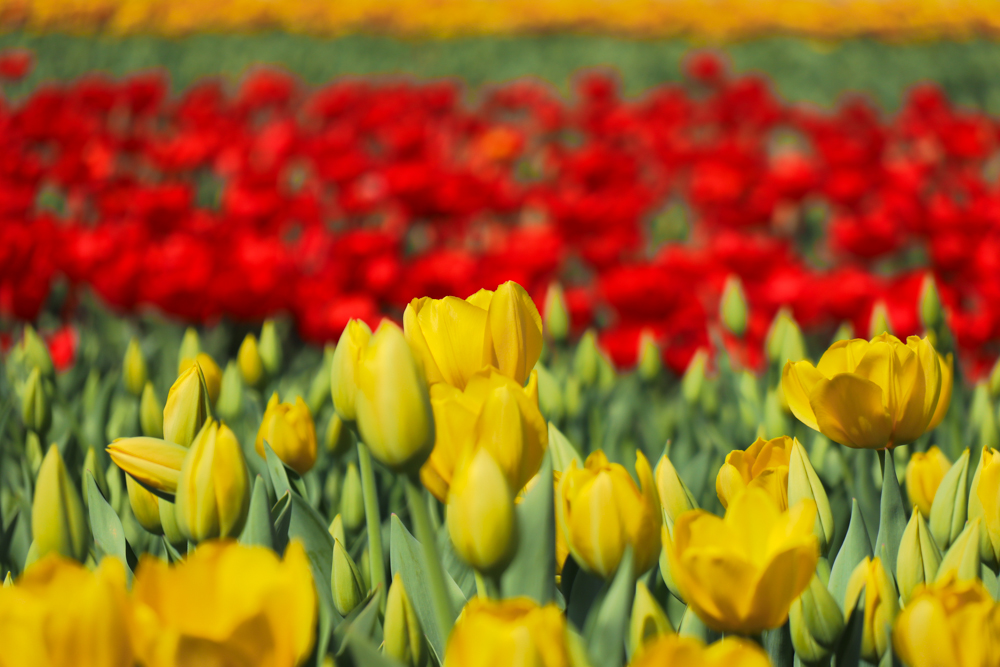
<point>448,515</point>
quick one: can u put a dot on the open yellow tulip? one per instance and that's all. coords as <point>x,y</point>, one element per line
<point>763,464</point>
<point>681,651</point>
<point>517,628</point>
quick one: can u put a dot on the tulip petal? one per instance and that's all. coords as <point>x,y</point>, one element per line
<point>849,410</point>
<point>786,575</point>
<point>513,340</point>
<point>944,399</point>
<point>454,331</point>
<point>842,357</point>
<point>798,379</point>
<point>153,462</point>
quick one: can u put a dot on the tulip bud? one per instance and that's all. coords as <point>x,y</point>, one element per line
<point>607,376</point>
<point>187,407</point>
<point>230,403</point>
<point>344,369</point>
<point>250,364</point>
<point>962,558</point>
<point>392,403</point>
<point>650,358</point>
<point>694,376</point>
<point>404,637</point>
<point>211,373</point>
<point>981,404</point>
<point>586,358</point>
<point>481,519</point>
<point>90,465</point>
<point>337,529</point>
<point>150,412</point>
<point>816,622</point>
<point>339,439</point>
<point>33,452</point>
<point>36,410</point>
<point>190,347</point>
<point>145,506</point>
<point>556,315</point>
<point>648,620</point>
<point>733,306</point>
<point>213,493</point>
<point>346,582</point>
<point>134,373</point>
<point>58,522</point>
<point>270,348</point>
<point>168,521</point>
<point>784,341</point>
<point>924,473</point>
<point>844,332</point>
<point>352,502</point>
<point>804,483</point>
<point>36,353</point>
<point>918,559</point>
<point>985,492</point>
<point>994,381</point>
<point>881,604</point>
<point>550,399</point>
<point>155,463</point>
<point>879,323</point>
<point>573,397</point>
<point>948,511</point>
<point>290,432</point>
<point>675,498</point>
<point>319,389</point>
<point>929,303</point>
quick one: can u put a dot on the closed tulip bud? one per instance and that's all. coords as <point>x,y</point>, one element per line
<point>650,359</point>
<point>338,439</point>
<point>950,504</point>
<point>134,372</point>
<point>694,376</point>
<point>929,304</point>
<point>337,529</point>
<point>36,409</point>
<point>352,503</point>
<point>248,359</point>
<point>116,489</point>
<point>550,396</point>
<point>918,559</point>
<point>33,452</point>
<point>36,353</point>
<point>213,493</point>
<point>155,463</point>
<point>481,519</point>
<point>878,322</point>
<point>586,359</point>
<point>994,381</point>
<point>210,371</point>
<point>556,315</point>
<point>784,341</point>
<point>145,506</point>
<point>733,306</point>
<point>775,414</point>
<point>675,498</point>
<point>150,412</point>
<point>574,398</point>
<point>648,620</point>
<point>804,484</point>
<point>347,584</point>
<point>683,651</point>
<point>190,347</point>
<point>270,348</point>
<point>404,637</point>
<point>962,557</point>
<point>170,524</point>
<point>816,622</point>
<point>983,495</point>
<point>924,473</point>
<point>187,407</point>
<point>230,403</point>
<point>58,522</point>
<point>764,465</point>
<point>344,369</point>
<point>290,432</point>
<point>488,631</point>
<point>393,407</point>
<point>90,465</point>
<point>881,604</point>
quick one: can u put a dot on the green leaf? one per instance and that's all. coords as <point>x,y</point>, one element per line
<point>778,644</point>
<point>854,549</point>
<point>457,568</point>
<point>533,571</point>
<point>849,648</point>
<point>281,519</point>
<point>561,450</point>
<point>259,530</point>
<point>892,514</point>
<point>105,526</point>
<point>948,511</point>
<point>364,652</point>
<point>308,527</point>
<point>276,469</point>
<point>608,622</point>
<point>362,620</point>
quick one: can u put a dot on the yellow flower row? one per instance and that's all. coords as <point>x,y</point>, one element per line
<point>725,19</point>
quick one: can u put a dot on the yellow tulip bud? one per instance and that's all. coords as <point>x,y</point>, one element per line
<point>169,524</point>
<point>150,412</point>
<point>982,496</point>
<point>550,396</point>
<point>58,523</point>
<point>962,557</point>
<point>404,637</point>
<point>154,463</point>
<point>347,584</point>
<point>648,620</point>
<point>784,341</point>
<point>145,506</point>
<point>230,403</point>
<point>90,465</point>
<point>675,498</point>
<point>338,440</point>
<point>352,503</point>
<point>869,395</point>
<point>994,380</point>
<point>586,358</point>
<point>488,629</point>
<point>344,369</point>
<point>270,348</point>
<point>879,323</point>
<point>804,484</point>
<point>733,306</point>
<point>924,473</point>
<point>650,359</point>
<point>881,605</point>
<point>481,519</point>
<point>764,465</point>
<point>948,509</point>
<point>187,407</point>
<point>250,364</point>
<point>35,352</point>
<point>816,622</point>
<point>929,303</point>
<point>694,376</point>
<point>134,373</point>
<point>556,316</point>
<point>36,408</point>
<point>337,529</point>
<point>290,432</point>
<point>393,408</point>
<point>601,511</point>
<point>33,452</point>
<point>210,371</point>
<point>726,575</point>
<point>918,559</point>
<point>213,493</point>
<point>574,400</point>
<point>690,651</point>
<point>513,340</point>
<point>190,347</point>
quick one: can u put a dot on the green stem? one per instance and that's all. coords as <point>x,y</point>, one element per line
<point>373,522</point>
<point>881,461</point>
<point>443,611</point>
<point>486,586</point>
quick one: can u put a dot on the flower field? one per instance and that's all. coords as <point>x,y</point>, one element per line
<point>397,371</point>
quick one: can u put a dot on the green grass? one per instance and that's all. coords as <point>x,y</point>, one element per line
<point>800,69</point>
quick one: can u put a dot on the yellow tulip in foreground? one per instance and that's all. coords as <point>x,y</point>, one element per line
<point>763,465</point>
<point>512,632</point>
<point>948,624</point>
<point>454,338</point>
<point>60,614</point>
<point>226,604</point>
<point>924,473</point>
<point>153,462</point>
<point>187,406</point>
<point>871,395</point>
<point>740,574</point>
<point>881,605</point>
<point>289,429</point>
<point>601,511</point>
<point>493,412</point>
<point>213,494</point>
<point>481,519</point>
<point>344,368</point>
<point>677,651</point>
<point>58,523</point>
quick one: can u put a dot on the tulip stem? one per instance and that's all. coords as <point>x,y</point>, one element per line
<point>881,461</point>
<point>486,587</point>
<point>373,522</point>
<point>435,574</point>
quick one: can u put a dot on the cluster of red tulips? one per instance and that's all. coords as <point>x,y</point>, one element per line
<point>350,199</point>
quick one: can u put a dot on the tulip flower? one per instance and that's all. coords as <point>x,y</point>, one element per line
<point>36,407</point>
<point>871,395</point>
<point>481,519</point>
<point>344,369</point>
<point>764,465</point>
<point>393,408</point>
<point>650,358</point>
<point>492,412</point>
<point>61,614</point>
<point>924,473</point>
<point>404,637</point>
<point>601,511</point>
<point>352,502</point>
<point>984,499</point>
<point>881,604</point>
<point>675,498</point>
<point>348,586</point>
<point>145,506</point>
<point>690,652</point>
<point>187,407</point>
<point>230,403</point>
<point>741,573</point>
<point>919,557</point>
<point>210,371</point>
<point>289,430</point>
<point>949,622</point>
<point>150,412</point>
<point>784,341</point>
<point>58,523</point>
<point>155,463</point>
<point>134,373</point>
<point>213,493</point>
<point>225,604</point>
<point>250,364</point>
<point>487,630</point>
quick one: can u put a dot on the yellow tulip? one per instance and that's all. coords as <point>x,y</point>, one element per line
<point>134,372</point>
<point>764,465</point>
<point>150,412</point>
<point>58,523</point>
<point>675,498</point>
<point>290,432</point>
<point>481,519</point>
<point>346,583</point>
<point>493,412</point>
<point>250,363</point>
<point>226,604</point>
<point>984,501</point>
<point>187,407</point>
<point>648,620</point>
<point>678,651</point>
<point>871,395</point>
<point>393,407</point>
<point>949,623</point>
<point>211,371</point>
<point>881,605</point>
<point>741,573</point>
<point>145,506</point>
<point>505,633</point>
<point>924,473</point>
<point>344,368</point>
<point>36,406</point>
<point>213,493</point>
<point>60,614</point>
<point>601,511</point>
<point>454,338</point>
<point>153,462</point>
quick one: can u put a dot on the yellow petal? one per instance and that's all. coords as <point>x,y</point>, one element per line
<point>798,379</point>
<point>513,333</point>
<point>454,331</point>
<point>944,399</point>
<point>849,410</point>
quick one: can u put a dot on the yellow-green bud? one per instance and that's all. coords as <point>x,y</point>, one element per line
<point>134,371</point>
<point>90,465</point>
<point>694,376</point>
<point>962,558</point>
<point>33,452</point>
<point>648,620</point>
<point>337,529</point>
<point>948,511</point>
<point>733,306</point>
<point>550,399</point>
<point>270,348</point>
<point>190,347</point>
<point>804,484</point>
<point>879,322</point>
<point>319,389</point>
<point>345,581</point>
<point>881,604</point>
<point>930,302</point>
<point>481,518</point>
<point>918,559</point>
<point>187,407</point>
<point>981,404</point>
<point>784,340</point>
<point>404,637</point>
<point>607,375</point>
<point>36,410</point>
<point>574,397</point>
<point>168,521</point>
<point>339,439</point>
<point>352,502</point>
<point>844,332</point>
<point>36,353</point>
<point>675,498</point>
<point>816,622</point>
<point>650,359</point>
<point>150,412</point>
<point>586,359</point>
<point>58,522</point>
<point>995,379</point>
<point>113,477</point>
<point>250,363</point>
<point>230,403</point>
<point>145,506</point>
<point>213,493</point>
<point>556,314</point>
<point>709,397</point>
<point>344,369</point>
